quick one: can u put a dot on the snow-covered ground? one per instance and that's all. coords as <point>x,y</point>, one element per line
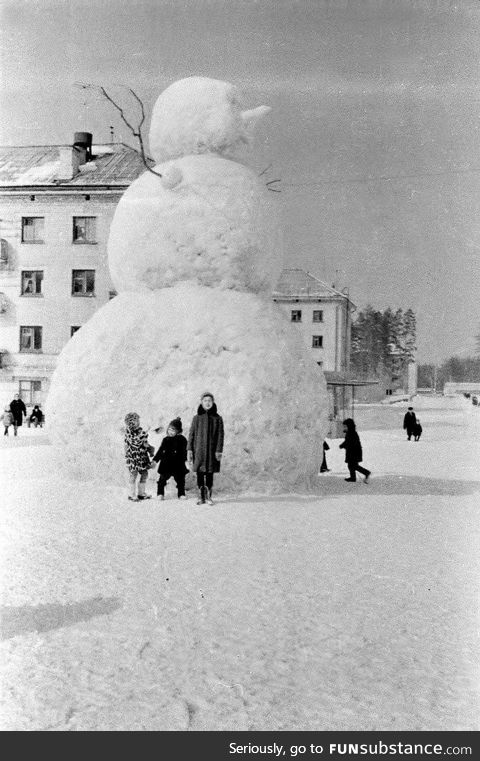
<point>356,608</point>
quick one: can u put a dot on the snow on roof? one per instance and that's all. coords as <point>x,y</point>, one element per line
<point>296,283</point>
<point>113,164</point>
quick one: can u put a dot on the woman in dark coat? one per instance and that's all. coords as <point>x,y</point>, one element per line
<point>353,451</point>
<point>18,410</point>
<point>205,446</point>
<point>409,422</point>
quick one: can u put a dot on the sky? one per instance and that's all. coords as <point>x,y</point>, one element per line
<point>374,129</point>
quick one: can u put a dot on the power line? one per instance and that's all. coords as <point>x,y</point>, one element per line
<point>379,178</point>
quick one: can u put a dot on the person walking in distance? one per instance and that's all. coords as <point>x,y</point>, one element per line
<point>18,410</point>
<point>205,446</point>
<point>353,451</point>
<point>417,430</point>
<point>409,421</point>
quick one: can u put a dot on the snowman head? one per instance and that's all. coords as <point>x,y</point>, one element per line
<point>201,115</point>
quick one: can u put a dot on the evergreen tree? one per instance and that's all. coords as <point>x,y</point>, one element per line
<point>382,342</point>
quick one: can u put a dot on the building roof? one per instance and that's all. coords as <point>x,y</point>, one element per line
<point>299,284</point>
<point>114,164</point>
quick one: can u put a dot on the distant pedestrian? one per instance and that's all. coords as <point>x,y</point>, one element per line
<point>353,451</point>
<point>409,421</point>
<point>18,410</point>
<point>324,467</point>
<point>137,455</point>
<point>7,418</point>
<point>417,430</point>
<point>36,417</point>
<point>205,446</point>
<point>172,455</point>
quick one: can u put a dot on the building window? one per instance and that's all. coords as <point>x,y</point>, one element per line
<point>320,364</point>
<point>112,293</point>
<point>296,315</point>
<point>32,229</point>
<point>30,338</point>
<point>84,229</point>
<point>73,329</point>
<point>83,282</point>
<point>318,315</point>
<point>317,342</point>
<point>32,282</point>
<point>31,391</point>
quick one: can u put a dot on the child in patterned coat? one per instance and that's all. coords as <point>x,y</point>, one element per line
<point>137,454</point>
<point>7,420</point>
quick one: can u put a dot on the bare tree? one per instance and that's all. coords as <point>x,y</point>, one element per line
<point>136,131</point>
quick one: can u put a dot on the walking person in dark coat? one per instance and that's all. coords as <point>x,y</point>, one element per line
<point>353,451</point>
<point>205,446</point>
<point>409,422</point>
<point>18,410</point>
<point>172,455</point>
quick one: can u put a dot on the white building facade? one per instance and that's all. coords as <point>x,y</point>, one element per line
<point>56,206</point>
<point>321,315</point>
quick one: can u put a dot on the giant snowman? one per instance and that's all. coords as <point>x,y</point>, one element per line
<point>194,254</point>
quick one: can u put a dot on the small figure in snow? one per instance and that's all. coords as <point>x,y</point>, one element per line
<point>7,420</point>
<point>172,455</point>
<point>353,451</point>
<point>409,422</point>
<point>36,417</point>
<point>137,455</point>
<point>18,410</point>
<point>323,467</point>
<point>205,446</point>
<point>417,430</point>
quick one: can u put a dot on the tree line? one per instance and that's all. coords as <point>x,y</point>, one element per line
<point>382,342</point>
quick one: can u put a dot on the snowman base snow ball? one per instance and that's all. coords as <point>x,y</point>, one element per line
<point>194,255</point>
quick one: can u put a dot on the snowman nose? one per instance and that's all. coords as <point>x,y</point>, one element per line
<point>252,116</point>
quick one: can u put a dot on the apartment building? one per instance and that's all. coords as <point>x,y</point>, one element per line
<point>321,315</point>
<point>56,206</point>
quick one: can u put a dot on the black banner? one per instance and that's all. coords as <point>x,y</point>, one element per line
<point>242,746</point>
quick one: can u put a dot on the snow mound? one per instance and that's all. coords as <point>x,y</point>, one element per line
<point>200,115</point>
<point>157,354</point>
<point>210,221</point>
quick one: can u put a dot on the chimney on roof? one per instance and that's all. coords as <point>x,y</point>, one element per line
<point>72,157</point>
<point>82,141</point>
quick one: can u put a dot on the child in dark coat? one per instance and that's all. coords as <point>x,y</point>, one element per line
<point>205,446</point>
<point>172,455</point>
<point>353,451</point>
<point>417,430</point>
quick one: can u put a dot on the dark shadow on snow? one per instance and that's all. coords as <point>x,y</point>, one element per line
<point>43,618</point>
<point>334,485</point>
<point>10,442</point>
